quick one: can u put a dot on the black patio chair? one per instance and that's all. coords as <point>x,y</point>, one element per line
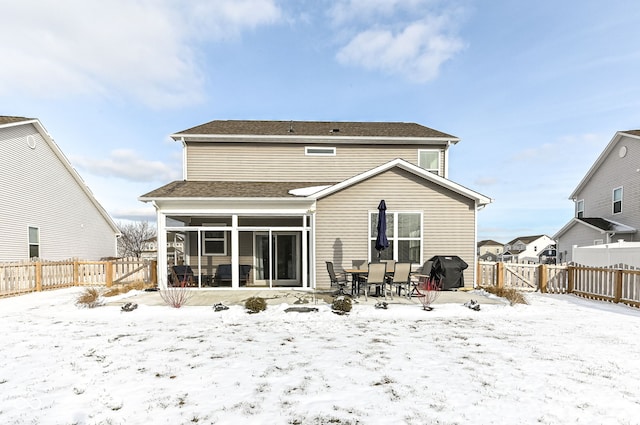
<point>338,281</point>
<point>183,276</point>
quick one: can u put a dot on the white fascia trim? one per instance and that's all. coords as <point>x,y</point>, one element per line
<point>17,123</point>
<point>67,164</point>
<point>304,139</point>
<point>204,199</point>
<point>260,206</point>
<point>604,155</point>
<point>479,198</point>
<point>575,221</point>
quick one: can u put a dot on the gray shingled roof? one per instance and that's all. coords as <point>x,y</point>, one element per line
<point>8,120</point>
<point>228,189</point>
<point>315,128</point>
<point>488,242</point>
<point>606,225</point>
<point>525,239</point>
<point>633,132</point>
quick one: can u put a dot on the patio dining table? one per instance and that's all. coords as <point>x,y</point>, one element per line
<point>356,274</point>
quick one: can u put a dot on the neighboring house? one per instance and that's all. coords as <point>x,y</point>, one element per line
<point>280,198</point>
<point>548,255</point>
<point>526,249</point>
<point>47,211</point>
<point>490,250</point>
<point>607,205</point>
<point>175,248</point>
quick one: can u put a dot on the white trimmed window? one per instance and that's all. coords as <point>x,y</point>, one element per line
<point>319,151</point>
<point>34,242</point>
<point>429,159</point>
<point>404,232</point>
<point>214,242</point>
<point>580,208</point>
<point>617,200</point>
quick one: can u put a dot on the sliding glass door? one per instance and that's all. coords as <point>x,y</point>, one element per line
<point>277,261</point>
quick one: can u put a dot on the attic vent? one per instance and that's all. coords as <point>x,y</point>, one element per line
<point>319,151</point>
<point>291,127</point>
<point>335,130</point>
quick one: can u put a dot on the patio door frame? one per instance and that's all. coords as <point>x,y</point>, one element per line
<point>272,252</point>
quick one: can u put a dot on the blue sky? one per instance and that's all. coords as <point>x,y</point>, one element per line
<point>535,90</point>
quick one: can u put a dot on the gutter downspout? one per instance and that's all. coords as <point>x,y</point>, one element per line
<point>184,159</point>
<point>446,160</point>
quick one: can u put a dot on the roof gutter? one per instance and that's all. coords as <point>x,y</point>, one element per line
<point>306,138</point>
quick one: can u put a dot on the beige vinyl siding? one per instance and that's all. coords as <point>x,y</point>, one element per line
<point>288,162</point>
<point>342,220</point>
<point>37,190</point>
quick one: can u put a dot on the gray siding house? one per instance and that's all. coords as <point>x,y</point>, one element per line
<point>607,199</point>
<point>46,211</point>
<point>266,203</point>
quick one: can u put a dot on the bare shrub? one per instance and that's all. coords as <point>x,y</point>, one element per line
<point>511,294</point>
<point>176,297</point>
<point>255,304</point>
<point>429,290</point>
<point>89,298</point>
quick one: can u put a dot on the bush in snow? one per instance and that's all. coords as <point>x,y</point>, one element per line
<point>89,298</point>
<point>255,304</point>
<point>176,297</point>
<point>429,292</point>
<point>341,305</point>
<point>511,294</point>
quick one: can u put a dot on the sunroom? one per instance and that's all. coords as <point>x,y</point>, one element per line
<point>234,242</point>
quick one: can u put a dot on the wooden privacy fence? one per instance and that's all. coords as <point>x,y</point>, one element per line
<point>20,278</point>
<point>617,285</point>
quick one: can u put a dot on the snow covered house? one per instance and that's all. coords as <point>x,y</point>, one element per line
<point>265,204</point>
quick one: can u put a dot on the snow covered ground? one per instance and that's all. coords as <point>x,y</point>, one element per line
<point>558,360</point>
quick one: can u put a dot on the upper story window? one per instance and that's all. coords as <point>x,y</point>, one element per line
<point>319,151</point>
<point>34,242</point>
<point>580,208</point>
<point>429,159</point>
<point>617,200</point>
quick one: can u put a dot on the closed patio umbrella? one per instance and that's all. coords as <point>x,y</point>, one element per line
<point>381,240</point>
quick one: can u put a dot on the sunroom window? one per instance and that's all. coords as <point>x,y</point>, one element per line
<point>214,242</point>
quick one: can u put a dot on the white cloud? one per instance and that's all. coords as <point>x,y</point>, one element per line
<point>141,48</point>
<point>344,11</point>
<point>581,146</point>
<point>127,164</point>
<point>486,181</point>
<point>415,49</point>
